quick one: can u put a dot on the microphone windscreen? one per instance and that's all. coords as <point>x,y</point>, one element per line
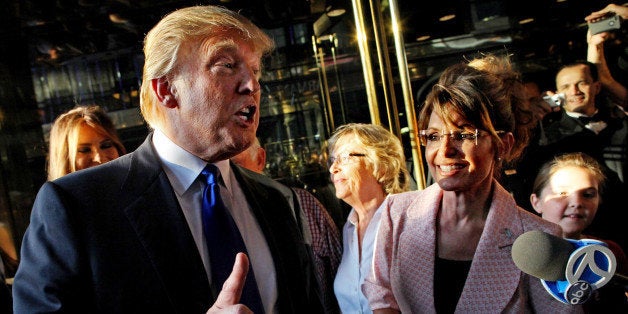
<point>542,255</point>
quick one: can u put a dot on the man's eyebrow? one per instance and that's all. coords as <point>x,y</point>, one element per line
<point>222,45</point>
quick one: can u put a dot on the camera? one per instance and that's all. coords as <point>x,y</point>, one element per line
<point>606,24</point>
<point>555,100</point>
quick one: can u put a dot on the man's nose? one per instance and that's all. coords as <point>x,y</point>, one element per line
<point>573,89</point>
<point>250,83</point>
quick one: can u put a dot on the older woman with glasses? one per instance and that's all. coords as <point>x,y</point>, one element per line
<point>366,165</point>
<point>447,248</point>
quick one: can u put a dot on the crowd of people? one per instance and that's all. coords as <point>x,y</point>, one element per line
<point>119,232</point>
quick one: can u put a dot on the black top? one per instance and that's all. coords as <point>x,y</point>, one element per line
<point>449,279</point>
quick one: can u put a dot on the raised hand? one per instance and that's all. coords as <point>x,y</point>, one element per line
<point>229,297</point>
<point>611,8</point>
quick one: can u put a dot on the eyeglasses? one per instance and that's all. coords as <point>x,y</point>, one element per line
<point>429,137</point>
<point>343,159</point>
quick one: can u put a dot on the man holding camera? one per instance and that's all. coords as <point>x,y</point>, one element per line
<point>583,117</point>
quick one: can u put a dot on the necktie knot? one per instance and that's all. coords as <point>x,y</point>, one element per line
<point>211,197</point>
<point>210,173</point>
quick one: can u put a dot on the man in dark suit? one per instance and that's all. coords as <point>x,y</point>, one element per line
<point>127,236</point>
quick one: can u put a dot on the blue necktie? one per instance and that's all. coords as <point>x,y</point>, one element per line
<point>224,240</point>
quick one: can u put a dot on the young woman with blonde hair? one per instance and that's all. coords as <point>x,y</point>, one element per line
<point>81,138</point>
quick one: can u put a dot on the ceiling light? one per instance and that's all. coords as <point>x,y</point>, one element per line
<point>423,38</point>
<point>447,17</point>
<point>117,18</point>
<point>335,11</point>
<point>526,21</point>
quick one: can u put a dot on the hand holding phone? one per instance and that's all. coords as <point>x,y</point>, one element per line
<point>555,100</point>
<point>605,24</point>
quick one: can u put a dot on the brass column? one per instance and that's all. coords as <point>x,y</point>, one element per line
<point>378,28</point>
<point>404,76</point>
<point>365,56</point>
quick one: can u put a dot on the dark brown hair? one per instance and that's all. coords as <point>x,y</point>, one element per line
<point>489,94</point>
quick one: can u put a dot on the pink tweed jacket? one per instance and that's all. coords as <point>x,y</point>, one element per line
<point>403,262</point>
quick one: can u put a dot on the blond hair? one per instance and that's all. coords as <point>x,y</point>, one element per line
<point>384,152</point>
<point>64,137</point>
<point>163,43</point>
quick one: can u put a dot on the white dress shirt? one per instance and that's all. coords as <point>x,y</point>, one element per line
<point>183,169</point>
<point>352,269</point>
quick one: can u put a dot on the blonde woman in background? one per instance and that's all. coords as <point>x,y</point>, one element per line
<point>81,138</point>
<point>366,165</point>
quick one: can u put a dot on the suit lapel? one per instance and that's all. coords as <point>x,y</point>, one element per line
<point>560,125</point>
<point>493,276</point>
<point>159,223</point>
<point>422,244</point>
<point>276,218</point>
<point>428,239</point>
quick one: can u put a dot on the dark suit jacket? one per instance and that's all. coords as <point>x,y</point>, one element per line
<point>113,239</point>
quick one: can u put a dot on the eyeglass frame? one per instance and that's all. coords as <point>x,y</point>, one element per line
<point>342,159</point>
<point>455,135</point>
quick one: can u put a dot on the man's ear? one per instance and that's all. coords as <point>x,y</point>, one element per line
<point>164,92</point>
<point>598,87</point>
<point>260,161</point>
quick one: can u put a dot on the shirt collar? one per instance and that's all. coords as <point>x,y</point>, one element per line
<point>353,214</point>
<point>578,114</point>
<point>181,166</point>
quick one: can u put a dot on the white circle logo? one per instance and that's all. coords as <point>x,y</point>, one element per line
<point>594,264</point>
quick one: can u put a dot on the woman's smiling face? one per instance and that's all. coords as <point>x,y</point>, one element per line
<point>93,148</point>
<point>459,165</point>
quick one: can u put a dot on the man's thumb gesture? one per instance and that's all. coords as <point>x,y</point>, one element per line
<point>229,297</point>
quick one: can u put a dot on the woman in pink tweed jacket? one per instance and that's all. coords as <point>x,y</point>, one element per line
<point>447,249</point>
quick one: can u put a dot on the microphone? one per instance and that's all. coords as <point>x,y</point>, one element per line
<point>570,270</point>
